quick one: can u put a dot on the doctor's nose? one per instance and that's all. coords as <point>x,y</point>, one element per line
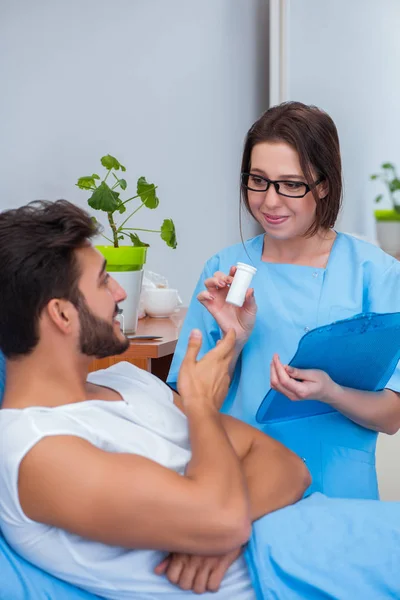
<point>271,198</point>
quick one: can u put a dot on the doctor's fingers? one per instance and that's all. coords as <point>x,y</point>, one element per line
<point>278,385</point>
<point>305,383</point>
<point>218,281</point>
<point>296,387</point>
<point>205,297</point>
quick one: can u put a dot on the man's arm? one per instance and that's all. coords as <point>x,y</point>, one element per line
<point>128,500</point>
<point>275,476</point>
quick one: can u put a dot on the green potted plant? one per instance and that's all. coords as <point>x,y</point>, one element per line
<point>126,252</point>
<point>388,220</point>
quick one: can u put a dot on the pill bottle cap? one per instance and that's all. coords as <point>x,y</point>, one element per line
<point>245,267</point>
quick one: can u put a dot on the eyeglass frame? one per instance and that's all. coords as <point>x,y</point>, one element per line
<point>276,183</point>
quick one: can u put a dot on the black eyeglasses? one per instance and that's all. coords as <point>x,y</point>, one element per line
<point>291,189</point>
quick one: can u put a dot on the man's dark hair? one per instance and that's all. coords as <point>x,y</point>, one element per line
<point>312,133</point>
<point>37,264</point>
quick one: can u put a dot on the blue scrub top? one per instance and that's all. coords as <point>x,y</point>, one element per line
<point>292,300</point>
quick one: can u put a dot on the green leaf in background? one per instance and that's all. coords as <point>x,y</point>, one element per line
<point>88,182</point>
<point>123,184</point>
<point>121,207</point>
<point>168,233</point>
<point>394,185</point>
<point>103,198</point>
<point>388,166</point>
<point>147,193</point>
<point>110,162</point>
<point>374,177</point>
<point>397,208</point>
<point>136,241</point>
<point>379,198</point>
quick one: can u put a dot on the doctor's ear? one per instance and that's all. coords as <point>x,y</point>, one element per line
<point>323,189</point>
<point>60,312</point>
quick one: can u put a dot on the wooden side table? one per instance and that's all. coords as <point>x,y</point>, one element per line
<point>154,356</point>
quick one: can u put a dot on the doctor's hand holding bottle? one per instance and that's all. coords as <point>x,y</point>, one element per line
<point>228,316</point>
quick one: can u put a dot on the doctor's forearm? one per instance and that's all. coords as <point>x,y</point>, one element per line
<point>379,411</point>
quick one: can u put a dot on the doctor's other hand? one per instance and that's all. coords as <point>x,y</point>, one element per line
<point>241,319</point>
<point>301,384</point>
<point>206,381</point>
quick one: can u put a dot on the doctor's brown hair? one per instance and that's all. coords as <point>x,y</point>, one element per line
<point>313,134</point>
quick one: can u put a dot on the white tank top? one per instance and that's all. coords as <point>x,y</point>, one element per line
<point>145,422</point>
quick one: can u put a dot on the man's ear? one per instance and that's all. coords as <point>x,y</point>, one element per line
<point>61,313</point>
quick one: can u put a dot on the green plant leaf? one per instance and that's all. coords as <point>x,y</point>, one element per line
<point>103,198</point>
<point>168,233</point>
<point>87,183</point>
<point>122,183</point>
<point>136,241</point>
<point>394,185</point>
<point>397,208</point>
<point>379,198</point>
<point>372,177</point>
<point>110,162</point>
<point>121,207</point>
<point>388,166</point>
<point>147,193</point>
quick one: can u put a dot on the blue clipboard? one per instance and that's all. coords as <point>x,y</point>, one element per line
<point>361,352</point>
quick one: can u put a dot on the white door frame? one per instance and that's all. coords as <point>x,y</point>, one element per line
<point>278,41</point>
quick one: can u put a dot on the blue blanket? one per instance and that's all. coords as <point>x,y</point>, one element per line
<point>327,549</point>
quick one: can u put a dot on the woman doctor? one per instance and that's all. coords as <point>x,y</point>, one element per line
<point>308,275</point>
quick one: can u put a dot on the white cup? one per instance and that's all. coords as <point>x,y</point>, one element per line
<point>161,302</point>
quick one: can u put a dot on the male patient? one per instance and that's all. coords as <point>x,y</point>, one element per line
<point>112,481</point>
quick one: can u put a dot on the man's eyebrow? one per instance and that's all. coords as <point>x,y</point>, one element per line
<point>103,268</point>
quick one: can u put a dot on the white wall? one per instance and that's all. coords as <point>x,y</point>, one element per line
<point>343,56</point>
<point>170,88</point>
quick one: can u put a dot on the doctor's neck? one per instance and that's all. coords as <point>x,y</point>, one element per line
<point>300,250</point>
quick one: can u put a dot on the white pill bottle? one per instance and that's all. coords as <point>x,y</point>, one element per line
<point>240,284</point>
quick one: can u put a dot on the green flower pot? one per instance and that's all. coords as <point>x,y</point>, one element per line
<point>388,230</point>
<point>126,266</point>
<point>124,258</point>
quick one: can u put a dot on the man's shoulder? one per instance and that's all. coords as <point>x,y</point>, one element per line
<point>126,372</point>
<point>122,368</point>
<point>21,429</point>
